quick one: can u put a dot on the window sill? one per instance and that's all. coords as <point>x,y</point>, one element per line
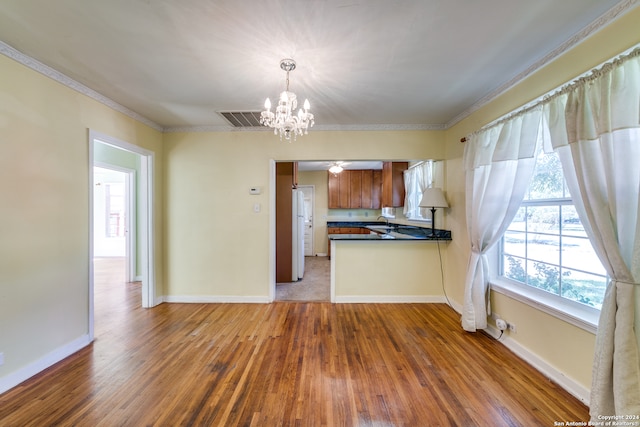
<point>576,314</point>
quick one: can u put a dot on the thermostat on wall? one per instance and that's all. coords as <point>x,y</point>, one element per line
<point>255,190</point>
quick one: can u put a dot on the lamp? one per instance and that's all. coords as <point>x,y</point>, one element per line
<point>285,121</point>
<point>433,198</point>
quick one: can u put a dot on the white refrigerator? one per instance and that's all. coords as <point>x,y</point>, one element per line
<point>298,235</point>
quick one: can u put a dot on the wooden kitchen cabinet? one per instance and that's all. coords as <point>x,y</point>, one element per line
<point>393,184</point>
<point>340,190</point>
<point>345,189</point>
<point>355,189</point>
<point>344,230</point>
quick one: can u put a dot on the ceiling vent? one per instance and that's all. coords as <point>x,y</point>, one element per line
<point>242,119</point>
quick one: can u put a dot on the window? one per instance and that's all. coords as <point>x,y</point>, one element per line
<point>416,179</point>
<point>546,246</point>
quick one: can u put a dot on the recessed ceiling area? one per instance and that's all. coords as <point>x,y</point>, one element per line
<point>372,64</point>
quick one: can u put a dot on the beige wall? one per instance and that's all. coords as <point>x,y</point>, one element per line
<point>563,346</point>
<point>44,211</point>
<point>400,271</point>
<point>217,247</point>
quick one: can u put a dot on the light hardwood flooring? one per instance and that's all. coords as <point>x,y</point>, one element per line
<point>288,364</point>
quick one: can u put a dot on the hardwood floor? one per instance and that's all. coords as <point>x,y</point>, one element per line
<point>286,363</point>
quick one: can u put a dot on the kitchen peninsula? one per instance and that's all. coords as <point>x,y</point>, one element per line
<point>380,262</point>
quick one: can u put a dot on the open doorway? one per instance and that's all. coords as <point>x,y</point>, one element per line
<point>136,162</point>
<point>114,216</point>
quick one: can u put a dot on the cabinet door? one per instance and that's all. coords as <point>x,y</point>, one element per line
<point>355,189</point>
<point>367,187</point>
<point>393,183</point>
<point>345,187</point>
<point>334,191</point>
<point>376,189</point>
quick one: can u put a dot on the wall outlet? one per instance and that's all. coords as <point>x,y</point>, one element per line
<point>1,359</point>
<point>512,327</point>
<point>501,324</point>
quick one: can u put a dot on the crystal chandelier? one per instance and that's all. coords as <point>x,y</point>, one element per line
<point>285,121</point>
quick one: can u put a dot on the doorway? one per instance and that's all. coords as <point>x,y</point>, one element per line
<point>114,215</point>
<point>309,203</point>
<point>105,150</point>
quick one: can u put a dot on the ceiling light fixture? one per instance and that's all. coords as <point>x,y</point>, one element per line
<point>336,168</point>
<point>285,121</point>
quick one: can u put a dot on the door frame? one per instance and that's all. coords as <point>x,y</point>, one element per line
<point>146,219</point>
<point>313,213</point>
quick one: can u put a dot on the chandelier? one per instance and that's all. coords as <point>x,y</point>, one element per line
<point>285,121</point>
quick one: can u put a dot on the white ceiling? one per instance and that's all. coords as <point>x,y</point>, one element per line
<point>362,63</point>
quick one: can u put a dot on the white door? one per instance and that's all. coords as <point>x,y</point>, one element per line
<point>309,194</point>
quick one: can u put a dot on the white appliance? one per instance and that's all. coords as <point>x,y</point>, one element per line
<point>297,248</point>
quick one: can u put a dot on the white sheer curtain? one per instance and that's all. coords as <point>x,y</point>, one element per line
<point>498,162</point>
<point>416,180</point>
<point>595,127</point>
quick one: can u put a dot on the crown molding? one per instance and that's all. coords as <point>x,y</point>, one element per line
<point>612,14</point>
<point>67,81</point>
<point>377,127</point>
<point>604,20</point>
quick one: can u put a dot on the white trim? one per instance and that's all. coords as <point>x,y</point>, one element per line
<point>13,379</point>
<point>319,128</point>
<point>389,299</point>
<point>272,230</point>
<point>146,225</point>
<point>67,81</point>
<point>570,385</point>
<point>604,20</point>
<point>332,292</point>
<point>595,26</point>
<point>576,389</point>
<point>213,299</point>
<point>574,313</point>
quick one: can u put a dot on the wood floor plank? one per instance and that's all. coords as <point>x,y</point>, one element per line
<point>286,363</point>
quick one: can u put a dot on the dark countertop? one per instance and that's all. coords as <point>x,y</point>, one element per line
<point>393,232</point>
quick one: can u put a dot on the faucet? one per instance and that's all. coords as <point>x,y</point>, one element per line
<point>386,220</point>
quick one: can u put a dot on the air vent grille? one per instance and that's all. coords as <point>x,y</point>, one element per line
<point>242,119</point>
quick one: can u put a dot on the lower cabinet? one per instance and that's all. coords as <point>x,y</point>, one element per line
<point>344,230</point>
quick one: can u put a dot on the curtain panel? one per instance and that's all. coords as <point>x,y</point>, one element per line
<point>594,124</point>
<point>416,179</point>
<point>499,163</point>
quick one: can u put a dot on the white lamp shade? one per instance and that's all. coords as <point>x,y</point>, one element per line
<point>433,198</point>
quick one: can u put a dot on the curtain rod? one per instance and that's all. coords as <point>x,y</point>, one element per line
<point>591,73</point>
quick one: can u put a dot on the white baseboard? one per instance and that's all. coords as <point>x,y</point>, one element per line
<point>377,299</point>
<point>215,299</point>
<point>26,372</point>
<point>576,389</point>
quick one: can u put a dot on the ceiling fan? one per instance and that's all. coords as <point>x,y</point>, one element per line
<point>337,167</point>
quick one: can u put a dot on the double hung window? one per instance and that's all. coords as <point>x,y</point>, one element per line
<point>546,246</point>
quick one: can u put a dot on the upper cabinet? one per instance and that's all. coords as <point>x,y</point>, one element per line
<point>355,189</point>
<point>393,184</point>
